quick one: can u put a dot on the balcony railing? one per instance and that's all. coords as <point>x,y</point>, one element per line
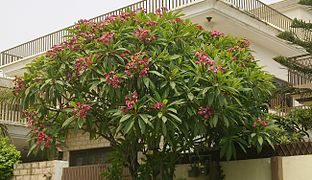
<point>296,78</point>
<point>269,15</point>
<point>44,43</point>
<point>11,114</point>
<point>285,110</point>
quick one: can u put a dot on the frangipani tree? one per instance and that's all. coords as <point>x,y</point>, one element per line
<point>148,83</point>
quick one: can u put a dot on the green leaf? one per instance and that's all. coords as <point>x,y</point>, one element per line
<point>214,120</point>
<point>176,56</point>
<point>159,114</point>
<point>145,118</point>
<point>142,125</point>
<point>172,85</point>
<point>128,126</point>
<point>146,81</point>
<point>172,110</point>
<point>260,140</point>
<point>164,119</point>
<point>175,117</point>
<point>157,74</point>
<point>68,121</point>
<point>124,118</point>
<point>190,96</point>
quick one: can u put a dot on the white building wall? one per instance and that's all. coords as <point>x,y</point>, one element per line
<point>265,57</point>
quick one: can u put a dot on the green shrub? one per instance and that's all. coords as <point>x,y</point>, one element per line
<point>9,156</point>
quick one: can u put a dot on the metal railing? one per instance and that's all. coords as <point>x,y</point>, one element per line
<point>269,15</point>
<point>283,111</point>
<point>89,172</point>
<point>44,43</point>
<point>11,114</point>
<point>296,78</point>
<point>302,60</point>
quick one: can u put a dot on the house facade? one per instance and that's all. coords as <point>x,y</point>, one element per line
<point>258,22</point>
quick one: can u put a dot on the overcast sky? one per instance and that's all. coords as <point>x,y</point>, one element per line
<point>24,20</point>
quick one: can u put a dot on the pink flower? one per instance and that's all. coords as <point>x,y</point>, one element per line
<point>178,19</point>
<point>112,79</point>
<point>19,85</point>
<point>205,112</point>
<point>216,34</point>
<point>138,65</point>
<point>52,53</point>
<point>245,42</point>
<point>159,105</point>
<point>234,58</point>
<point>86,35</point>
<point>82,64</point>
<point>203,58</point>
<point>106,37</point>
<point>264,124</point>
<point>124,109</point>
<point>142,34</point>
<point>130,101</point>
<point>254,125</point>
<point>42,137</point>
<point>81,110</point>
<point>219,68</point>
<point>152,23</point>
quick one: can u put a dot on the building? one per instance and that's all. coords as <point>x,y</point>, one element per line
<point>258,22</point>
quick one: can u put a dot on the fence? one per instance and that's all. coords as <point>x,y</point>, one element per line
<point>11,114</point>
<point>87,172</point>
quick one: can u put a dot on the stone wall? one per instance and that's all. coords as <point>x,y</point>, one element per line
<point>80,141</point>
<point>46,170</point>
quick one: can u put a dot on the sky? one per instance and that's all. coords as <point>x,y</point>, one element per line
<point>22,21</point>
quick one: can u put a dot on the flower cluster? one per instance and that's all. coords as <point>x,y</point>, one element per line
<point>55,50</point>
<point>216,34</point>
<point>82,64</point>
<point>137,64</point>
<point>112,79</point>
<point>86,35</point>
<point>31,118</point>
<point>72,44</point>
<point>106,38</point>
<point>84,22</point>
<point>204,58</point>
<point>245,42</point>
<point>159,105</point>
<point>216,69</point>
<point>130,101</point>
<point>161,10</point>
<point>151,23</point>
<point>42,137</point>
<point>144,35</point>
<point>81,110</point>
<point>260,122</point>
<point>205,112</point>
<point>235,48</point>
<point>125,53</point>
<point>19,85</point>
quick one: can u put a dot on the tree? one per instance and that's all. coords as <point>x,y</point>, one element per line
<point>305,41</point>
<point>152,84</point>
